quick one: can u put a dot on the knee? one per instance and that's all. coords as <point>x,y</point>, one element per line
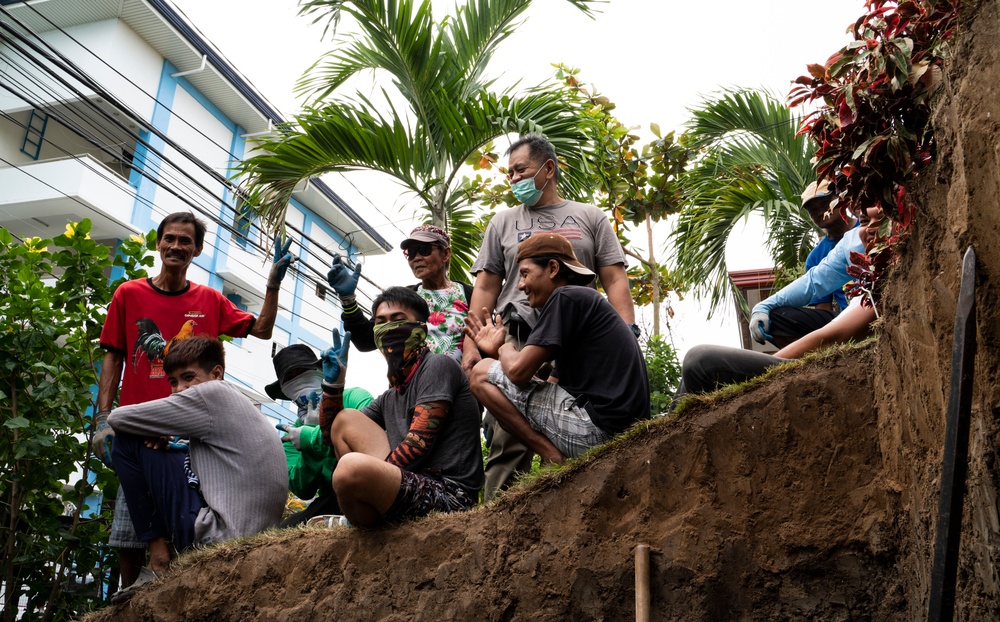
<point>696,358</point>
<point>344,421</point>
<point>478,376</point>
<point>351,475</point>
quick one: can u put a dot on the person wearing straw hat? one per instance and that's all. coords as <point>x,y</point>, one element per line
<point>803,305</point>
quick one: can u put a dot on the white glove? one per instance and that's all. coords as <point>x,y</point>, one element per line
<point>292,435</point>
<point>760,323</point>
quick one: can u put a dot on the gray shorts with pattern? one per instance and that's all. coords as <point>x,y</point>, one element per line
<point>553,411</point>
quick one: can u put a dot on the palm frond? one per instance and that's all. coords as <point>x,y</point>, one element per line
<point>752,160</point>
<point>334,138</point>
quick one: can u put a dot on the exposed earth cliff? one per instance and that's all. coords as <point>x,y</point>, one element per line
<point>811,495</point>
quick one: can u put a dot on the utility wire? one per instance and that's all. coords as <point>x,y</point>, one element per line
<point>115,155</point>
<point>162,135</point>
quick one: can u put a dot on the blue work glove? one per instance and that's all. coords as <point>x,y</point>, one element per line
<point>103,437</point>
<point>179,443</point>
<point>292,435</point>
<point>342,279</point>
<point>760,323</point>
<point>335,360</point>
<point>282,259</point>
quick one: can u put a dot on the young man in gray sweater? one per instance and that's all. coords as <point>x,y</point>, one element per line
<point>231,483</point>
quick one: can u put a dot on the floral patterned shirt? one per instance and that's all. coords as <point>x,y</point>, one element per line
<point>446,324</point>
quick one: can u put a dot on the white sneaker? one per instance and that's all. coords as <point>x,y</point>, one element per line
<point>146,575</point>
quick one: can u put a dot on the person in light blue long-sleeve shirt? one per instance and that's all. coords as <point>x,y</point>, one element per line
<point>828,276</point>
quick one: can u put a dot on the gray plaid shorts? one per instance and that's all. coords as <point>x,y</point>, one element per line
<point>553,411</point>
<point>122,532</point>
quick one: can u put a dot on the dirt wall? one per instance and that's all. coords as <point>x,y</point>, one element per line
<point>764,506</point>
<point>958,206</point>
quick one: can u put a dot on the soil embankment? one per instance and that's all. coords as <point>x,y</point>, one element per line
<point>761,506</point>
<point>810,496</point>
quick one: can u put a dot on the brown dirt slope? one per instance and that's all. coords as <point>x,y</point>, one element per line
<point>761,506</point>
<point>782,503</point>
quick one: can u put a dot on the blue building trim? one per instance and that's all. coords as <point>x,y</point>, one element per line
<point>227,71</point>
<point>299,332</point>
<point>149,162</point>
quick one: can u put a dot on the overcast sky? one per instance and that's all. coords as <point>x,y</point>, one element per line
<point>653,58</point>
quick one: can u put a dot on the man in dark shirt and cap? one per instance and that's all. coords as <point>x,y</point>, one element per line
<point>602,385</point>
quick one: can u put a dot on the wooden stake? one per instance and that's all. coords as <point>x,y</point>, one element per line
<point>642,583</point>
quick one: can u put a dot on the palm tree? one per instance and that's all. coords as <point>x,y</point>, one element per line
<point>751,160</point>
<point>438,70</point>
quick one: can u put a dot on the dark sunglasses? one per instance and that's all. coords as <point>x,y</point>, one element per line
<point>423,249</point>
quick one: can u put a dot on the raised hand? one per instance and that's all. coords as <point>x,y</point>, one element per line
<point>488,333</point>
<point>342,279</point>
<point>335,359</point>
<point>282,259</point>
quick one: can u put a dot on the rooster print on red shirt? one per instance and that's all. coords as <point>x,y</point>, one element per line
<point>154,346</point>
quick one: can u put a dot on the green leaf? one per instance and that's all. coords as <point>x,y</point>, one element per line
<point>16,423</point>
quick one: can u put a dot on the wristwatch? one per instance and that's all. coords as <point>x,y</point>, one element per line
<point>635,330</point>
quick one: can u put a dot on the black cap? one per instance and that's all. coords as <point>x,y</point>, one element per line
<point>299,356</point>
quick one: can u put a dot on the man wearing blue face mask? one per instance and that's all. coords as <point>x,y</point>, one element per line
<point>310,462</point>
<point>533,171</point>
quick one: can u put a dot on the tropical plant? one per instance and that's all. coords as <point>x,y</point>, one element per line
<point>638,186</point>
<point>750,160</point>
<point>53,295</point>
<point>875,130</point>
<point>440,111</point>
<point>664,371</point>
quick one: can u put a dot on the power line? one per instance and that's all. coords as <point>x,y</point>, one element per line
<point>303,299</point>
<point>162,157</point>
<point>84,79</point>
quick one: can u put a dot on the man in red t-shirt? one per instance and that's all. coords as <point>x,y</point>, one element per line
<point>144,318</point>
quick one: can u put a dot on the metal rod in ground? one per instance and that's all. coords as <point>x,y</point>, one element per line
<point>941,606</point>
<point>642,583</point>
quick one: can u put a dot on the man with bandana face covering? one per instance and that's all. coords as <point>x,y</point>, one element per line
<point>310,461</point>
<point>415,449</point>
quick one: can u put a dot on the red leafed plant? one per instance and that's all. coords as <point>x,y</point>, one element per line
<point>873,131</point>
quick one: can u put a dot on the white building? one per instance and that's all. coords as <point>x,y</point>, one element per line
<point>121,112</point>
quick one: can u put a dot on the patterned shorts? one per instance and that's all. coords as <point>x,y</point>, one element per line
<point>420,494</point>
<point>553,411</point>
<point>122,531</point>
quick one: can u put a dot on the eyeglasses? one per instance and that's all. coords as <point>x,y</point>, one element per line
<point>421,248</point>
